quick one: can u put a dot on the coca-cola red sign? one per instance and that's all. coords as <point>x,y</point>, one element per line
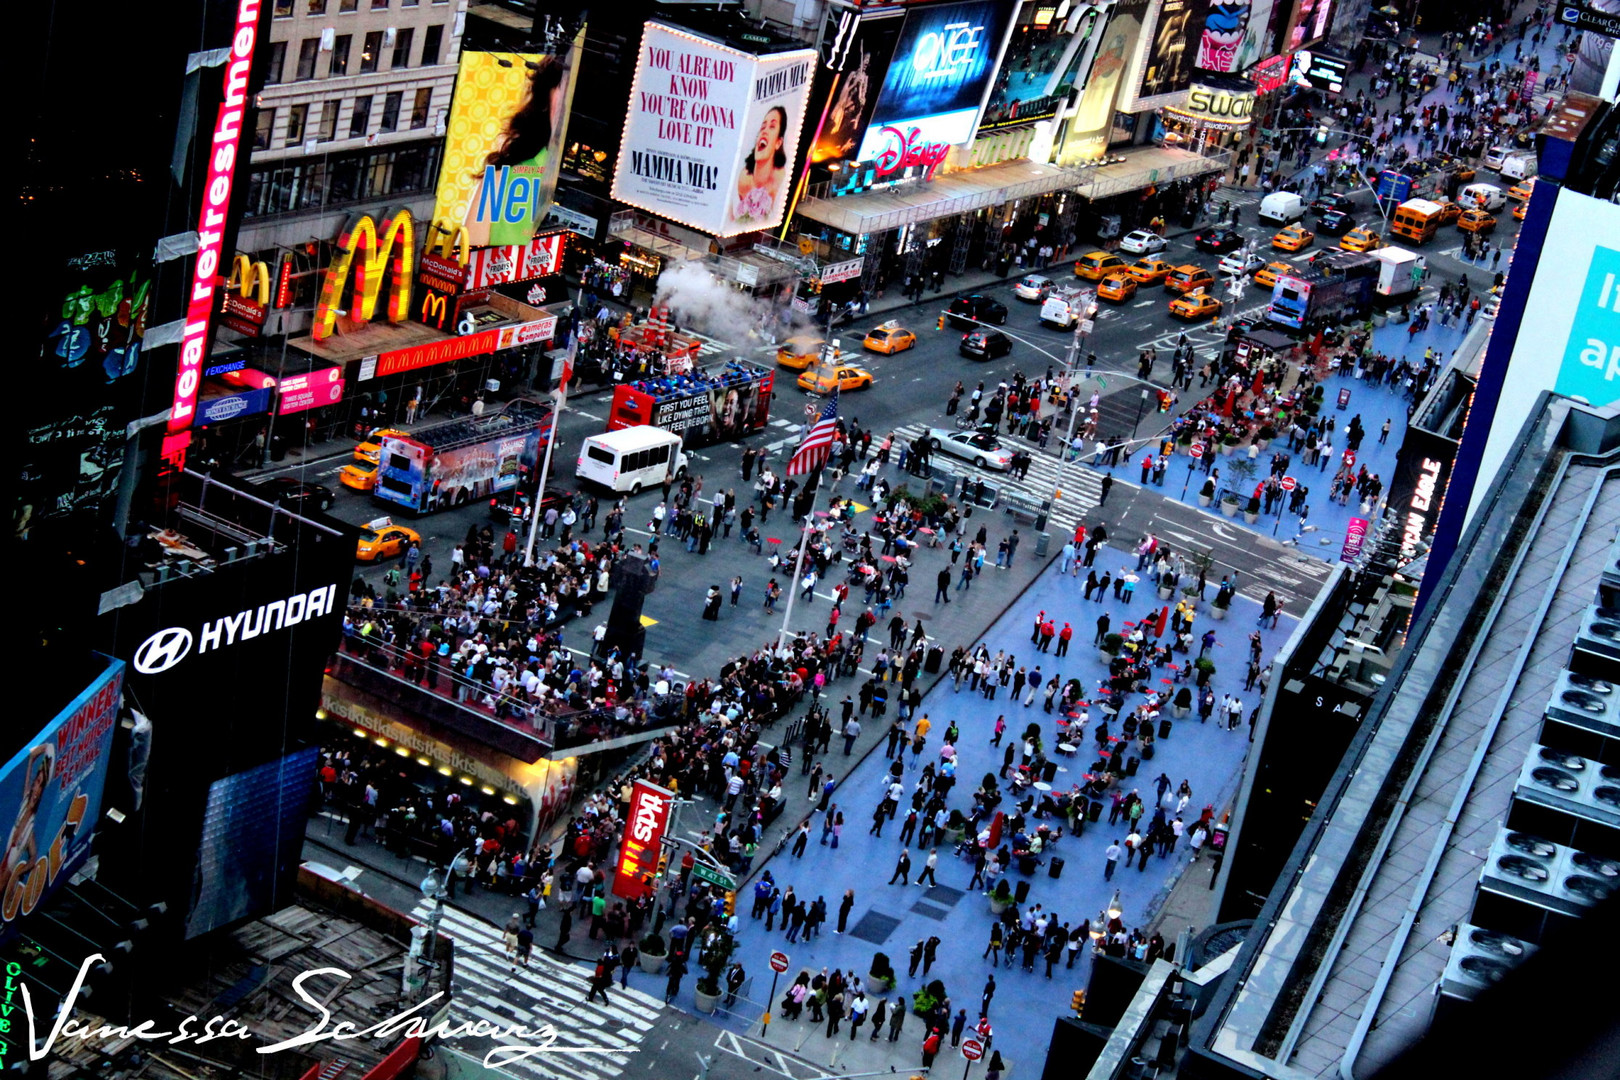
<point>903,149</point>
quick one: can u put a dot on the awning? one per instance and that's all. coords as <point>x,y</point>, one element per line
<point>672,242</point>
<point>953,193</point>
<point>1145,165</point>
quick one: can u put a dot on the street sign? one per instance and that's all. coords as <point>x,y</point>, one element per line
<point>714,877</point>
<point>1102,383</point>
<point>1582,17</point>
<point>1289,483</point>
<point>779,961</point>
<point>1087,326</point>
<point>841,271</point>
<point>1196,450</point>
<point>972,1049</point>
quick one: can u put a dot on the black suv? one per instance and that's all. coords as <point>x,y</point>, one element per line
<point>1217,241</point>
<point>985,344</point>
<point>965,309</point>
<point>1330,202</point>
<point>296,494</point>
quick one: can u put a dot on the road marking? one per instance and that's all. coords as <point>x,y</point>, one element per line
<point>1144,303</point>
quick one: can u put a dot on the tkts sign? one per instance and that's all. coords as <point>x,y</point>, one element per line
<point>644,828</point>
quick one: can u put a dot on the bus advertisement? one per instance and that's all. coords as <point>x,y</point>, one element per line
<point>459,461</point>
<point>704,408</point>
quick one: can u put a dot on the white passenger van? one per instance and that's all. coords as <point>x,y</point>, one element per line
<point>631,458</point>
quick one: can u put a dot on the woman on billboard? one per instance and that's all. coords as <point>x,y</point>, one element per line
<point>760,182</point>
<point>22,847</point>
<point>527,146</point>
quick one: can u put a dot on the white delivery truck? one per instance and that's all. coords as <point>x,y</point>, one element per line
<point>632,458</point>
<point>1400,276</point>
<point>1282,207</point>
<point>1065,307</point>
<point>1520,166</point>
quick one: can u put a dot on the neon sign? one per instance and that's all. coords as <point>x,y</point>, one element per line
<point>395,252</point>
<point>904,149</point>
<point>941,54</point>
<point>211,233</point>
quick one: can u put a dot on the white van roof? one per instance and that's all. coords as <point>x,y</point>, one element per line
<point>1422,206</point>
<point>1283,195</point>
<point>631,439</point>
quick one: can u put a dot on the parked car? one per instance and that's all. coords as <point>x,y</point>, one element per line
<point>1143,242</point>
<point>985,344</point>
<point>980,447</point>
<point>965,310</point>
<point>1218,241</point>
<point>296,494</point>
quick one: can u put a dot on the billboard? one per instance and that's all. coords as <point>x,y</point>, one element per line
<point>853,94</point>
<point>503,143</point>
<point>491,266</point>
<point>1039,68</point>
<point>387,253</point>
<point>1307,22</point>
<point>940,76</point>
<point>1172,46</point>
<point>50,797</point>
<point>644,827</point>
<point>712,132</point>
<point>1236,35</point>
<point>1093,122</point>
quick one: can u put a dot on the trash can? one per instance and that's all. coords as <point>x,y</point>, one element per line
<point>1095,813</point>
<point>1049,771</point>
<point>1021,891</point>
<point>1056,869</point>
<point>1164,727</point>
<point>932,662</point>
<point>1043,541</point>
<point>1131,765</point>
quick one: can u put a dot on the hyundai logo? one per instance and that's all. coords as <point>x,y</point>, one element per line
<point>163,650</point>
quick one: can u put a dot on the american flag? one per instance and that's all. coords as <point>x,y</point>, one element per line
<point>813,452</point>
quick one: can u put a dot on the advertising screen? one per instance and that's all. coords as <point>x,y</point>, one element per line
<point>1272,73</point>
<point>50,798</point>
<point>644,826</point>
<point>540,257</point>
<point>1236,35</point>
<point>1088,133</point>
<point>1319,70</point>
<point>503,143</point>
<point>853,93</point>
<point>1039,67</point>
<point>1307,22</point>
<point>1171,52</point>
<point>712,132</point>
<point>940,75</point>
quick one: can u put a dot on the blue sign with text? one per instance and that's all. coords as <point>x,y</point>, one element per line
<point>1591,366</point>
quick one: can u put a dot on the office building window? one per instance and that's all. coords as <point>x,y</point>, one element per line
<point>329,119</point>
<point>378,5</point>
<point>369,52</point>
<point>340,55</point>
<point>432,42</point>
<point>421,106</point>
<point>317,7</point>
<point>409,3</point>
<point>275,62</point>
<point>297,119</point>
<point>331,181</point>
<point>262,127</point>
<point>348,7</point>
<point>284,9</point>
<point>307,51</point>
<point>390,115</point>
<point>360,119</point>
<point>403,40</point>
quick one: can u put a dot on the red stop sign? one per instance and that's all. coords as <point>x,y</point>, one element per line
<point>1289,483</point>
<point>1196,450</point>
<point>972,1049</point>
<point>779,961</point>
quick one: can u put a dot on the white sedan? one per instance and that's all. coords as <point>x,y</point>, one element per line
<point>1032,287</point>
<point>980,447</point>
<point>1242,261</point>
<point>1143,242</point>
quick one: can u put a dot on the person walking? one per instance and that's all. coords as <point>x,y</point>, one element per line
<point>930,1048</point>
<point>677,970</point>
<point>880,1014</point>
<point>928,868</point>
<point>989,992</point>
<point>1112,861</point>
<point>917,951</point>
<point>902,868</point>
<point>843,910</point>
<point>956,1027</point>
<point>801,841</point>
<point>897,1018</point>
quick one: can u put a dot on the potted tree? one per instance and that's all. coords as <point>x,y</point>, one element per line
<point>1229,443</point>
<point>1263,437</point>
<point>1001,898</point>
<point>654,954</point>
<point>1229,504</point>
<point>1251,512</point>
<point>1111,644</point>
<point>1206,494</point>
<point>715,955</point>
<point>955,828</point>
<point>882,973</point>
<point>1206,670</point>
<point>1167,585</point>
<point>1182,705</point>
<point>1223,603</point>
<point>1191,595</point>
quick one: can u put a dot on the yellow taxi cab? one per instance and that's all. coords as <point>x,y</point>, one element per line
<point>1150,271</point>
<point>370,448</point>
<point>1195,305</point>
<point>1185,279</point>
<point>1362,239</point>
<point>382,539</point>
<point>888,339</point>
<point>1449,210</point>
<point>1518,211</point>
<point>1267,275</point>
<point>1476,221</point>
<point>359,475</point>
<point>802,351</point>
<point>1520,192</point>
<point>1096,265</point>
<point>1117,287</point>
<point>824,379</point>
<point>1294,238</point>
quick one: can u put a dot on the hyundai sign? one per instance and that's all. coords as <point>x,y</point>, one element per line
<point>940,75</point>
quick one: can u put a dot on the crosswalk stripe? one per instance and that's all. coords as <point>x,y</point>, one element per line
<point>549,991</point>
<point>1082,487</point>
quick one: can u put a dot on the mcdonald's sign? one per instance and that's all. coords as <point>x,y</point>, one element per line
<point>438,309</point>
<point>246,299</point>
<point>394,253</point>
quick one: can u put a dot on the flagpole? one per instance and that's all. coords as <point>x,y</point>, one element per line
<point>559,401</point>
<point>807,526</point>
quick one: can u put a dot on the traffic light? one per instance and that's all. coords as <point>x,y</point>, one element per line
<point>941,324</point>
<point>1078,1002</point>
<point>731,903</point>
<point>1164,401</point>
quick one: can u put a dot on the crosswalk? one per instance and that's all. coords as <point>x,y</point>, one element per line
<point>546,992</point>
<point>1080,488</point>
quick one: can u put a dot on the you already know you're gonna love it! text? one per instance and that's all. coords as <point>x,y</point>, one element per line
<point>711,133</point>
<point>413,1022</point>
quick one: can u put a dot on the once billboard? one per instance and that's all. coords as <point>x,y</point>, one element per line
<point>712,132</point>
<point>50,797</point>
<point>1038,69</point>
<point>940,76</point>
<point>503,143</point>
<point>1167,62</point>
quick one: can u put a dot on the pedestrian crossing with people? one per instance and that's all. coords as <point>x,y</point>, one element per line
<point>491,987</point>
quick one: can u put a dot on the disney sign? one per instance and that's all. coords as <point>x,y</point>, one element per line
<point>902,149</point>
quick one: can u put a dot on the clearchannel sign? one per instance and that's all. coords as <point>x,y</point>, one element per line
<point>939,78</point>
